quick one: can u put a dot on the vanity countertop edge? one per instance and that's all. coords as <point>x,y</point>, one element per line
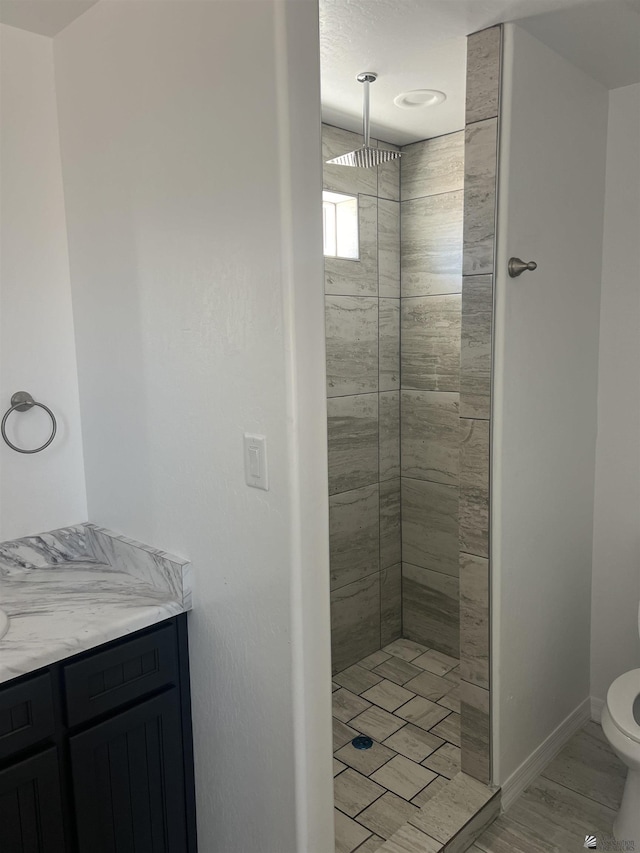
<point>76,588</point>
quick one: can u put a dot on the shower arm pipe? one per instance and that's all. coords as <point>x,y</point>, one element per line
<point>366,79</point>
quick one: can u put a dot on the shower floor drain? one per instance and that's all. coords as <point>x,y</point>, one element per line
<point>362,742</point>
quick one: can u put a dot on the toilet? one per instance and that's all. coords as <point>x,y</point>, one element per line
<point>621,726</point>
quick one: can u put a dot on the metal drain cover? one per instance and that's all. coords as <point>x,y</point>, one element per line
<point>362,742</point>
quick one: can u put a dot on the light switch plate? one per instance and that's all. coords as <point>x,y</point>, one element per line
<point>255,461</point>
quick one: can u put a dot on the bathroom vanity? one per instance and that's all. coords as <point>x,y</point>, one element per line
<point>96,748</point>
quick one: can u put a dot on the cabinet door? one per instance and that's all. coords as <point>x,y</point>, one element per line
<point>128,780</point>
<point>30,806</point>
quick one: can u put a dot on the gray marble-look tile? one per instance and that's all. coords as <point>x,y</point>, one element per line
<point>451,700</point>
<point>565,815</point>
<point>397,670</point>
<point>422,713</point>
<point>430,436</point>
<point>475,346</point>
<point>475,731</point>
<point>453,675</point>
<point>365,761</point>
<point>408,839</point>
<point>377,723</point>
<point>429,686</point>
<point>357,679</point>
<point>351,324</point>
<point>446,814</point>
<point>354,536</point>
<point>352,426</point>
<point>390,532</point>
<point>389,344</point>
<point>413,742</point>
<point>388,248</point>
<point>444,761</point>
<point>474,619</point>
<point>359,277</point>
<point>374,660</point>
<point>433,166</point>
<point>437,663</point>
<point>338,767</point>
<point>430,791</point>
<point>353,792</point>
<point>430,526</point>
<point>431,233</point>
<point>336,141</point>
<point>480,197</point>
<point>390,603</point>
<point>404,777</point>
<point>371,845</point>
<point>474,487</point>
<point>355,621</point>
<point>387,815</point>
<point>349,834</point>
<point>389,174</point>
<point>475,827</point>
<point>589,766</point>
<point>389,407</point>
<point>430,608</point>
<point>430,343</point>
<point>346,705</point>
<point>449,729</point>
<point>483,74</point>
<point>405,649</point>
<point>506,835</point>
<point>388,695</point>
<point>342,734</point>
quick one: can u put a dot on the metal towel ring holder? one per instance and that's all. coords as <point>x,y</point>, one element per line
<point>22,401</point>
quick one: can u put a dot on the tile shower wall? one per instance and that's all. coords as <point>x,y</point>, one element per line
<point>481,168</point>
<point>432,181</point>
<point>362,303</point>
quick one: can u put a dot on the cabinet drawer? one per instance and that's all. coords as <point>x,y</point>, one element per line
<point>26,714</point>
<point>108,679</point>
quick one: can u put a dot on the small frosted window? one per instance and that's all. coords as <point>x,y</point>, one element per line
<point>340,225</point>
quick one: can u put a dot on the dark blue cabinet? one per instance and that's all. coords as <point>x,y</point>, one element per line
<point>31,815</point>
<point>96,752</point>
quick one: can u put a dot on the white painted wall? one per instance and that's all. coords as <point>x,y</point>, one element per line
<point>552,176</point>
<point>191,152</point>
<point>37,349</point>
<point>615,647</point>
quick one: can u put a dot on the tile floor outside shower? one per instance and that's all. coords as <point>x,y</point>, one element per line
<point>406,698</point>
<point>576,795</point>
<point>398,698</point>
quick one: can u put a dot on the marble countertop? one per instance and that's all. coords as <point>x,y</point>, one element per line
<point>74,589</point>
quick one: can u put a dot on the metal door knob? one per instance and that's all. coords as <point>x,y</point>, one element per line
<point>517,267</point>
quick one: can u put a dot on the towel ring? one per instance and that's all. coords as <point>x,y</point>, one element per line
<point>22,401</point>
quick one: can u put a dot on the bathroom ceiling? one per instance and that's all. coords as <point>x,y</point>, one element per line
<point>421,44</point>
<point>46,17</point>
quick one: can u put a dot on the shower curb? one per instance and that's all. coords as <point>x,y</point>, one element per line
<point>450,822</point>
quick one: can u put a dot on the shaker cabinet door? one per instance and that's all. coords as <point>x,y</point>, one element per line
<point>128,780</point>
<point>30,807</point>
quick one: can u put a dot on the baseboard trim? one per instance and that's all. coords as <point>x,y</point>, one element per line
<point>532,766</point>
<point>597,706</point>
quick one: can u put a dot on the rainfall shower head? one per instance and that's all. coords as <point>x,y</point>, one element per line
<point>366,156</point>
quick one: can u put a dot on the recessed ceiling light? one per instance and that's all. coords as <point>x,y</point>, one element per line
<point>419,98</point>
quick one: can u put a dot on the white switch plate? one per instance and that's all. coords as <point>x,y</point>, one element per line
<point>255,461</point>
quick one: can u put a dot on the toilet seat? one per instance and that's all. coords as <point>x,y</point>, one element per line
<point>620,700</point>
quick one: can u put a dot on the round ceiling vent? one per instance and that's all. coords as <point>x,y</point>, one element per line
<point>419,98</point>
